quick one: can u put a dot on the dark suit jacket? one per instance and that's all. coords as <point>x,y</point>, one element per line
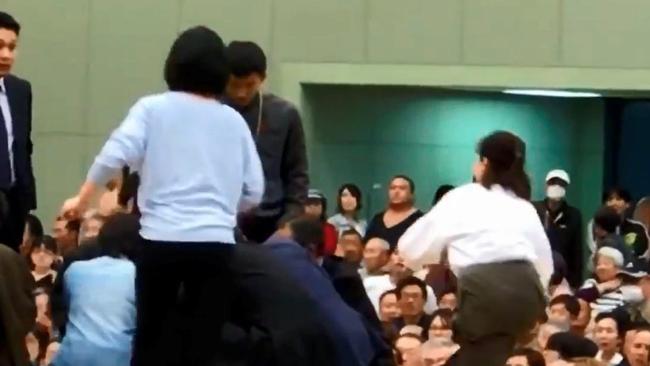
<point>19,94</point>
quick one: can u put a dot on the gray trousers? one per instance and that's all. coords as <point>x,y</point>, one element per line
<point>497,304</point>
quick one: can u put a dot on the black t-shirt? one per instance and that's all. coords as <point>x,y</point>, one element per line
<point>377,228</point>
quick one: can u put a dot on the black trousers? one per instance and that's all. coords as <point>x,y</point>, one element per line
<point>497,304</point>
<point>13,224</point>
<point>258,228</point>
<point>219,304</point>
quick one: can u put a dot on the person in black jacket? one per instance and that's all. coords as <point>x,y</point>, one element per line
<point>277,129</point>
<point>17,187</point>
<point>633,232</point>
<point>563,224</point>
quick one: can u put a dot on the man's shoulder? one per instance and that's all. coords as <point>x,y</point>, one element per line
<point>16,81</point>
<point>279,103</point>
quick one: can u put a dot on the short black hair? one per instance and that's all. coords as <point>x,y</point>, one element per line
<point>620,316</point>
<point>570,303</point>
<point>446,291</point>
<point>607,219</point>
<point>34,226</point>
<point>411,281</point>
<point>9,22</point>
<point>48,242</point>
<point>119,236</point>
<point>349,232</point>
<point>307,232</point>
<point>534,358</point>
<point>354,190</point>
<point>506,154</point>
<point>386,293</point>
<point>446,316</point>
<point>441,192</point>
<point>197,63</point>
<point>406,178</point>
<point>623,193</point>
<point>246,58</point>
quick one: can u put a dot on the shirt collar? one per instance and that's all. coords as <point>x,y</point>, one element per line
<point>618,358</point>
<point>3,89</point>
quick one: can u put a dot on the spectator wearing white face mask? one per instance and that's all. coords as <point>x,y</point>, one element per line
<point>563,224</point>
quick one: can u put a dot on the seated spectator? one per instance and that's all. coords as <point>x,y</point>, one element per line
<point>66,234</point>
<point>101,299</point>
<point>580,324</point>
<point>42,257</point>
<point>568,347</point>
<point>316,207</point>
<point>17,308</point>
<point>437,351</point>
<point>411,296</point>
<point>526,357</point>
<point>606,228</point>
<point>606,292</point>
<point>348,206</point>
<point>376,255</point>
<point>90,226</point>
<point>345,326</point>
<point>447,300</point>
<point>33,234</point>
<point>609,332</point>
<point>388,308</point>
<point>441,325</point>
<point>406,345</point>
<point>441,192</point>
<point>634,233</point>
<point>564,309</point>
<point>351,247</point>
<point>637,353</point>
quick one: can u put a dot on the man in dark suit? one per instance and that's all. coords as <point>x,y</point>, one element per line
<point>17,188</point>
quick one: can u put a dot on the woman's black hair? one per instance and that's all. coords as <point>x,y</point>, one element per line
<point>506,155</point>
<point>34,227</point>
<point>622,193</point>
<point>197,63</point>
<point>119,237</point>
<point>441,192</point>
<point>354,190</point>
<point>46,241</point>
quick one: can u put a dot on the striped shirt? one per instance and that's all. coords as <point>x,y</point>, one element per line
<point>608,301</point>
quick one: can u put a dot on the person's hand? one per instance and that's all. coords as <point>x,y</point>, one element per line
<point>44,321</point>
<point>73,208</point>
<point>609,285</point>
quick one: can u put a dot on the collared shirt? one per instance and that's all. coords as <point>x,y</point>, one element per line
<point>6,114</point>
<point>198,166</point>
<point>477,226</point>
<point>615,361</point>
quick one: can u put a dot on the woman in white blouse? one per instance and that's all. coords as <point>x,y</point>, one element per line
<point>497,248</point>
<point>348,207</point>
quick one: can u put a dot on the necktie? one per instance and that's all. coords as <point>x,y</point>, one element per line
<point>5,164</point>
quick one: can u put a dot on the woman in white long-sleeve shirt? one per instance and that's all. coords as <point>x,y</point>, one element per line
<point>496,247</point>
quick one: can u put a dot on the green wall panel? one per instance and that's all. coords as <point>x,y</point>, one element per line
<point>373,133</point>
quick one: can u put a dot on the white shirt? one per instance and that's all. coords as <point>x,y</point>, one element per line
<point>615,360</point>
<point>478,225</point>
<point>6,113</point>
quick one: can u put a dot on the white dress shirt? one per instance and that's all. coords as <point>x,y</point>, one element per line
<point>617,359</point>
<point>478,225</point>
<point>6,113</point>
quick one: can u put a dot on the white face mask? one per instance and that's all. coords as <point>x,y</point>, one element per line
<point>555,192</point>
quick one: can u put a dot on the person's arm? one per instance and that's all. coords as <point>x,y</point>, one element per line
<point>30,150</point>
<point>544,263</point>
<point>425,240</point>
<point>294,164</point>
<point>253,189</point>
<point>126,146</point>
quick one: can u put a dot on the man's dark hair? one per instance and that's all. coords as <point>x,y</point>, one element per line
<point>441,192</point>
<point>406,178</point>
<point>622,193</point>
<point>386,293</point>
<point>246,58</point>
<point>308,232</point>
<point>197,63</point>
<point>570,303</point>
<point>350,232</point>
<point>411,281</point>
<point>354,190</point>
<point>506,155</point>
<point>533,357</point>
<point>446,317</point>
<point>34,226</point>
<point>620,316</point>
<point>446,291</point>
<point>119,236</point>
<point>9,22</point>
<point>607,219</point>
